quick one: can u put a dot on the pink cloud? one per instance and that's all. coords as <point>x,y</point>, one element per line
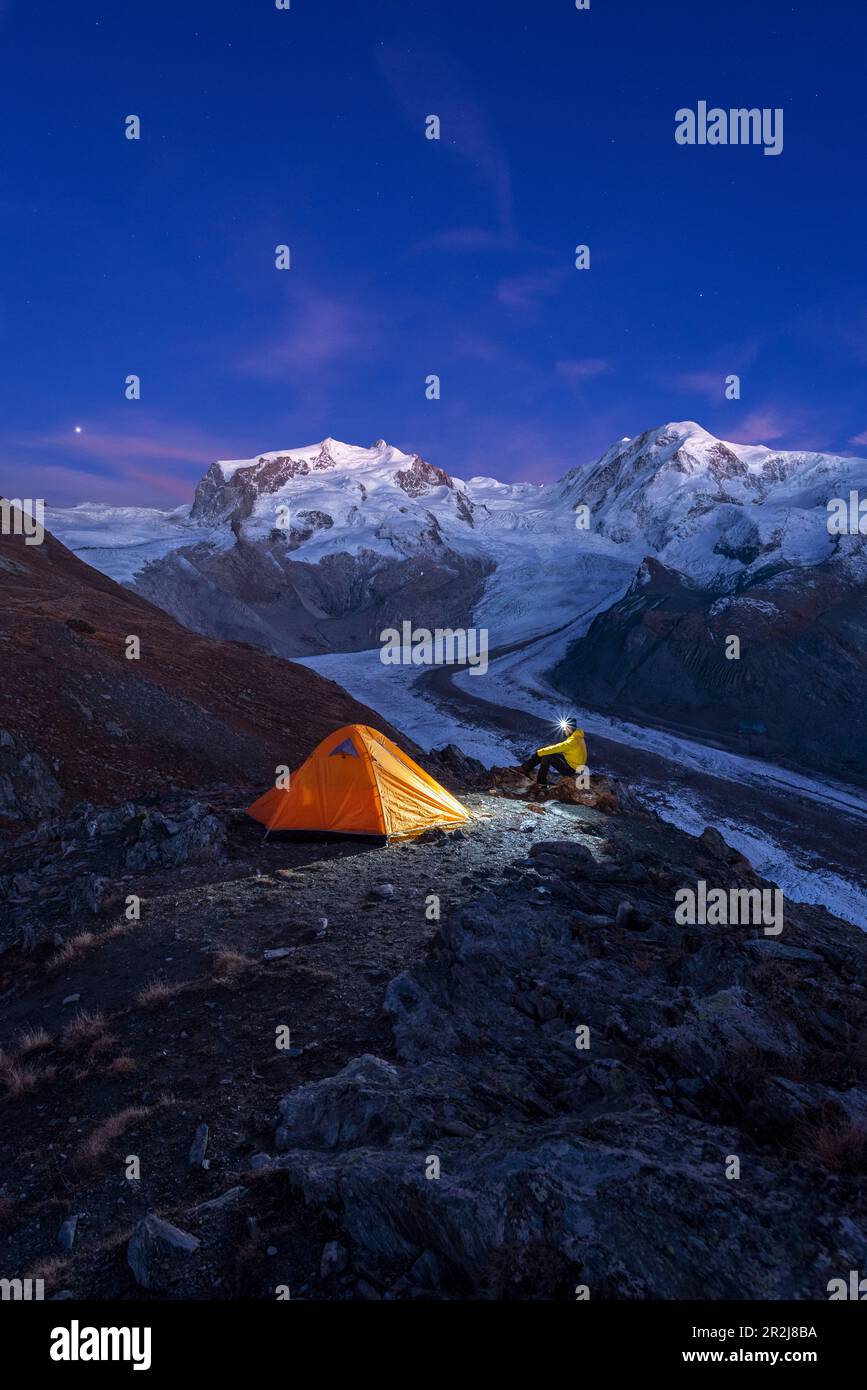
<point>114,447</point>
<point>710,381</point>
<point>110,464</point>
<point>64,487</point>
<point>322,331</point>
<point>164,483</point>
<point>859,438</point>
<point>761,425</point>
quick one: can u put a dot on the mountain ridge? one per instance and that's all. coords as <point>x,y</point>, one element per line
<point>675,462</point>
<point>316,551</point>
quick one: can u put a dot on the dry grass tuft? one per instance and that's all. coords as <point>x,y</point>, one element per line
<point>230,965</point>
<point>19,1078</point>
<point>96,1053</point>
<point>838,1145</point>
<point>94,1148</point>
<point>122,1065</point>
<point>157,992</point>
<point>86,1027</point>
<point>33,1040</point>
<point>50,1269</point>
<point>72,950</point>
<point>84,942</point>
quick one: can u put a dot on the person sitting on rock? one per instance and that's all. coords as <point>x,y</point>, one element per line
<point>566,757</point>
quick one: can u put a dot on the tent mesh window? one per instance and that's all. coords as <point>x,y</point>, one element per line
<point>346,749</point>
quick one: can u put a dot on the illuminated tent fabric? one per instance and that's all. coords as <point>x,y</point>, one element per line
<point>357,782</point>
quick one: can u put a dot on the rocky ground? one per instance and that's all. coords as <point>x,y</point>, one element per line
<point>431,1125</point>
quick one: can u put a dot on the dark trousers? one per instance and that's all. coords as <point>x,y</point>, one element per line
<point>555,760</point>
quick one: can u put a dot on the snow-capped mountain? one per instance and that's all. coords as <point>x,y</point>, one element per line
<point>714,510</point>
<point>332,527</point>
<point>315,549</point>
<point>674,533</point>
<point>747,619</point>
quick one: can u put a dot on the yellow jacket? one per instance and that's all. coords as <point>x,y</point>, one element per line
<point>573,748</point>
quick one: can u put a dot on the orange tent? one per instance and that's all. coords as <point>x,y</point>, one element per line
<point>357,782</point>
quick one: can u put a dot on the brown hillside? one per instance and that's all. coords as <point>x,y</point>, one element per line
<point>191,712</point>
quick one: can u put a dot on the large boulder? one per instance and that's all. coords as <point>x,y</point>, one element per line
<point>192,835</point>
<point>160,1254</point>
<point>362,1104</point>
<point>28,787</point>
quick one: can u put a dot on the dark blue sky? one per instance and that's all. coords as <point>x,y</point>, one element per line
<point>412,257</point>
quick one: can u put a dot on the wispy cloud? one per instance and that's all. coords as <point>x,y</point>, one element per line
<point>782,422</point>
<point>709,381</point>
<point>320,331</point>
<point>156,464</point>
<point>577,369</point>
<point>527,453</point>
<point>535,451</point>
<point>479,348</point>
<point>528,292</point>
<point>762,425</point>
<point>427,82</point>
<point>118,446</point>
<point>62,485</point>
<point>470,239</point>
<point>708,384</point>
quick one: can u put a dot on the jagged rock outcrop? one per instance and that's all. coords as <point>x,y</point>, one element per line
<point>28,787</point>
<point>794,691</point>
<point>266,593</point>
<point>72,866</point>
